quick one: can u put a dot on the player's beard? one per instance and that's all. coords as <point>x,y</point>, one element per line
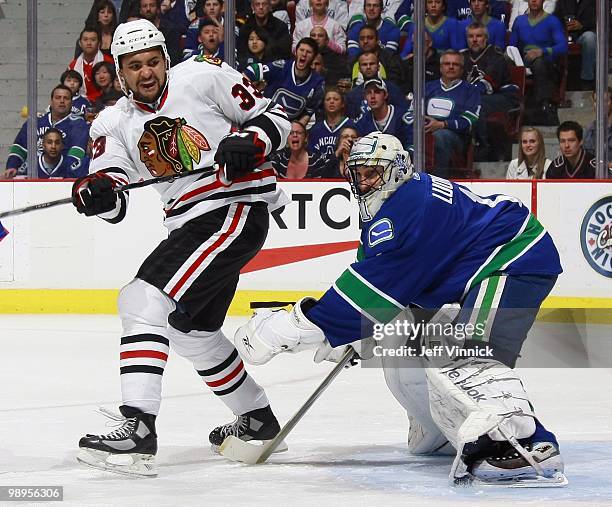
<point>149,99</point>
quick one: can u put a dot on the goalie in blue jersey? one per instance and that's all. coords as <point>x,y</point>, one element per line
<point>427,242</point>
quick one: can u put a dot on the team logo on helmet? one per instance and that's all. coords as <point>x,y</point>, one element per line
<point>170,146</point>
<point>596,236</point>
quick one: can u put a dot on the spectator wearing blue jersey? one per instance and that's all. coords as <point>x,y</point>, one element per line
<point>75,132</point>
<point>292,83</point>
<point>74,81</point>
<point>541,39</point>
<point>51,162</point>
<point>294,162</point>
<point>390,63</point>
<point>369,68</point>
<point>380,115</point>
<point>323,135</point>
<point>488,68</point>
<point>336,164</point>
<point>388,32</point>
<point>461,9</point>
<point>496,30</point>
<point>446,32</point>
<point>580,23</point>
<point>452,108</point>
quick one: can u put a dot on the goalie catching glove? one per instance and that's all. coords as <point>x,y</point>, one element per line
<point>240,153</point>
<point>269,333</point>
<point>94,194</point>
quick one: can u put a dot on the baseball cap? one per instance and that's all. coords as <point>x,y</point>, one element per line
<point>379,83</point>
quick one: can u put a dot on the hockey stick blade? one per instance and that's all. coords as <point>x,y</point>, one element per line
<point>239,450</point>
<point>204,171</point>
<point>254,305</point>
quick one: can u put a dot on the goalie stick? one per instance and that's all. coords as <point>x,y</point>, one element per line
<point>252,454</point>
<point>204,171</point>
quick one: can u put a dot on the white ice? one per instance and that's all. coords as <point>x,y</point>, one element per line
<point>348,450</point>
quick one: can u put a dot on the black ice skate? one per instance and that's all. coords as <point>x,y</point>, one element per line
<point>259,425</point>
<point>130,449</point>
<point>542,466</point>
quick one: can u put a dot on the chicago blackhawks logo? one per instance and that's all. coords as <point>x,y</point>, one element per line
<point>596,236</point>
<point>170,146</point>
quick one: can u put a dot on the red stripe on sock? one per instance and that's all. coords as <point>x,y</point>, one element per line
<point>227,378</point>
<point>130,354</point>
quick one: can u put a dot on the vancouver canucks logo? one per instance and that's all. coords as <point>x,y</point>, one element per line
<point>170,146</point>
<point>381,230</point>
<point>596,236</point>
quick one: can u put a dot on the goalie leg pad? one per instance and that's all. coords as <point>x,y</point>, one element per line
<point>407,381</point>
<point>473,398</point>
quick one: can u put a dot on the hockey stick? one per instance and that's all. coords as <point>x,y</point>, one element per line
<point>254,305</point>
<point>204,171</point>
<point>239,450</point>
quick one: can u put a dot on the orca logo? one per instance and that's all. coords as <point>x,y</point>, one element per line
<point>381,230</point>
<point>596,236</point>
<point>292,103</point>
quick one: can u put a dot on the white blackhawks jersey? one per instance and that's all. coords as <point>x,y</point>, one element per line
<point>203,100</point>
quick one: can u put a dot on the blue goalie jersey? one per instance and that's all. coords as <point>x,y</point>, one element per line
<point>430,243</point>
<point>297,98</point>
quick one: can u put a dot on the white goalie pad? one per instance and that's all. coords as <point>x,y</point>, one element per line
<point>407,381</point>
<point>474,397</point>
<point>476,385</point>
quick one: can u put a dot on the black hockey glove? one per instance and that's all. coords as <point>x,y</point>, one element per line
<point>94,194</point>
<point>240,153</point>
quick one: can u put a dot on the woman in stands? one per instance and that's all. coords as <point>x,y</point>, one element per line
<point>103,75</point>
<point>257,49</point>
<point>531,162</point>
<point>103,18</point>
<point>324,133</point>
<point>294,162</point>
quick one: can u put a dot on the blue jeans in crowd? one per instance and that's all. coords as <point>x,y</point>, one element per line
<point>588,51</point>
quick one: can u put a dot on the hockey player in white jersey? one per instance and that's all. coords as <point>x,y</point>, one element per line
<point>172,122</point>
<point>428,242</point>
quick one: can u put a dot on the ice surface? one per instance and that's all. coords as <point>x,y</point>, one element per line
<point>348,450</point>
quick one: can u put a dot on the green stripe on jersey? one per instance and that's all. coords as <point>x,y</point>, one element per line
<point>367,298</point>
<point>18,150</point>
<point>360,253</point>
<point>76,152</point>
<point>509,252</point>
<point>486,305</point>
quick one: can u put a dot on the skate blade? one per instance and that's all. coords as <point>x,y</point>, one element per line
<point>135,465</point>
<point>247,452</point>
<point>557,480</point>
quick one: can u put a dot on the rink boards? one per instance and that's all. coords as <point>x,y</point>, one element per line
<point>56,261</point>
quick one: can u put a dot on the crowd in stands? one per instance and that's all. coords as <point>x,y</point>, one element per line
<point>344,68</point>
